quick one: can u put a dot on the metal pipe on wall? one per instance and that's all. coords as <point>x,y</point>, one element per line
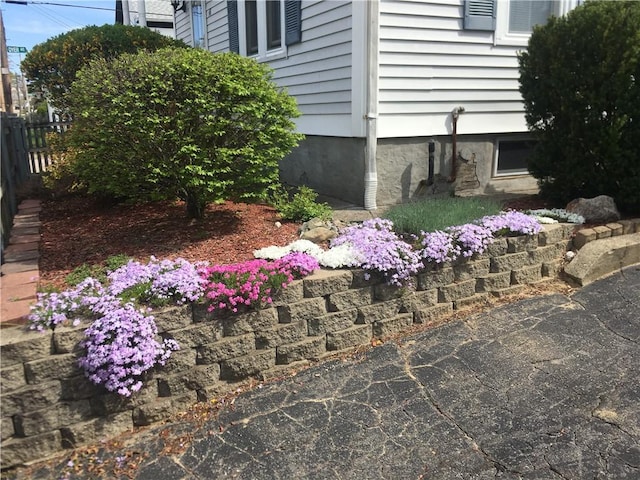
<point>454,143</point>
<point>432,151</point>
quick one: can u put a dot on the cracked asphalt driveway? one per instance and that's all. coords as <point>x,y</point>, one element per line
<point>543,388</point>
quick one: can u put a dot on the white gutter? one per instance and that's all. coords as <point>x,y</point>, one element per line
<point>370,166</point>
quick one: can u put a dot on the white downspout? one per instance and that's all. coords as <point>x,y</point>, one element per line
<point>370,166</point>
<point>126,14</point>
<point>142,14</point>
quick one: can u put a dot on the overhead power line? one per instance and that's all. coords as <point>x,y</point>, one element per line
<point>35,2</point>
<point>25,2</point>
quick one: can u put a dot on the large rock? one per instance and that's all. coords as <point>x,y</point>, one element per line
<point>601,209</point>
<point>317,230</point>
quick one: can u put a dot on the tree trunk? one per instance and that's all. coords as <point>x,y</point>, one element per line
<point>195,206</point>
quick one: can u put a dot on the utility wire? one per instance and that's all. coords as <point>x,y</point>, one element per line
<point>34,2</point>
<point>51,16</point>
<point>73,6</point>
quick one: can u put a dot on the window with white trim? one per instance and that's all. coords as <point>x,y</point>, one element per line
<point>260,25</point>
<point>197,24</point>
<point>264,28</point>
<point>511,156</point>
<point>512,20</point>
<point>516,18</point>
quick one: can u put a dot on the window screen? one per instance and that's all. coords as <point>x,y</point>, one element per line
<point>273,25</point>
<point>251,16</point>
<point>524,14</point>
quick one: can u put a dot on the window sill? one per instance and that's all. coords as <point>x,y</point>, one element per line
<point>509,174</point>
<point>270,56</point>
<point>513,39</point>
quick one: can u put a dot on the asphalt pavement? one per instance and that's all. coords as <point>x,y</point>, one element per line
<point>544,388</point>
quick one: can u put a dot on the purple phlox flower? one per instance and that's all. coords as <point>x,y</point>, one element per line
<point>438,247</point>
<point>511,222</point>
<point>120,347</point>
<point>471,238</point>
<point>381,250</point>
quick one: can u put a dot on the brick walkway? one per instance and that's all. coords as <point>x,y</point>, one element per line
<point>20,272</point>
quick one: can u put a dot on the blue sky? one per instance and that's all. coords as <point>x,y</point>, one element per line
<point>39,20</point>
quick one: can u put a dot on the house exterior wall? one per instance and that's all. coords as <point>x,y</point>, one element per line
<point>158,16</point>
<point>325,73</point>
<point>217,26</point>
<point>319,71</point>
<point>430,65</point>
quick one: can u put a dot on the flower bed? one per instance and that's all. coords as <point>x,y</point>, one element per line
<point>50,403</point>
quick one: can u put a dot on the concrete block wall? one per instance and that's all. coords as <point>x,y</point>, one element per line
<point>614,229</point>
<point>47,405</point>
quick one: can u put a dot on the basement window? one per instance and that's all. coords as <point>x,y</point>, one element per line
<point>511,156</point>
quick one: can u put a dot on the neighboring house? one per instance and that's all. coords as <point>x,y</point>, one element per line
<point>156,15</point>
<point>378,82</point>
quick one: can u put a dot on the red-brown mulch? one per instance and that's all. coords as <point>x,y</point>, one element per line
<point>79,230</point>
<point>527,202</point>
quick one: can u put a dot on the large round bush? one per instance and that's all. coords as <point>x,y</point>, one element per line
<point>182,123</point>
<point>51,66</point>
<point>580,81</point>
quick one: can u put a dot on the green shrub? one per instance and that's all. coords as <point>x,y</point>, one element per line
<point>433,214</point>
<point>51,66</point>
<point>302,206</point>
<point>180,123</point>
<point>59,179</point>
<point>580,81</point>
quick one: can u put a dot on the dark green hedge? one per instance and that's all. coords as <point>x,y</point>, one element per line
<point>580,81</point>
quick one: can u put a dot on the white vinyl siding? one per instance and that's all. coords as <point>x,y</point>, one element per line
<point>183,27</point>
<point>318,70</point>
<point>429,65</point>
<point>217,27</point>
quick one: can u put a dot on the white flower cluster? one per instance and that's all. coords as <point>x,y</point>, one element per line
<point>274,253</point>
<point>342,256</point>
<point>545,220</point>
<point>543,215</point>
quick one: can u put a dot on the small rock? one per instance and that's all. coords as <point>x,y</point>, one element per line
<point>600,209</point>
<point>278,224</point>
<point>569,255</point>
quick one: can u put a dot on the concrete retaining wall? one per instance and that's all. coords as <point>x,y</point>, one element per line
<point>48,405</point>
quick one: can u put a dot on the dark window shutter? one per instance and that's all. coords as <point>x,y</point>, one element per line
<point>293,21</point>
<point>480,15</point>
<point>232,18</point>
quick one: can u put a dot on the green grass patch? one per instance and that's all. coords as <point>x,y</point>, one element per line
<point>433,214</point>
<point>98,272</point>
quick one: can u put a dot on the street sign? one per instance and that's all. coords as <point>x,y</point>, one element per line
<point>11,49</point>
